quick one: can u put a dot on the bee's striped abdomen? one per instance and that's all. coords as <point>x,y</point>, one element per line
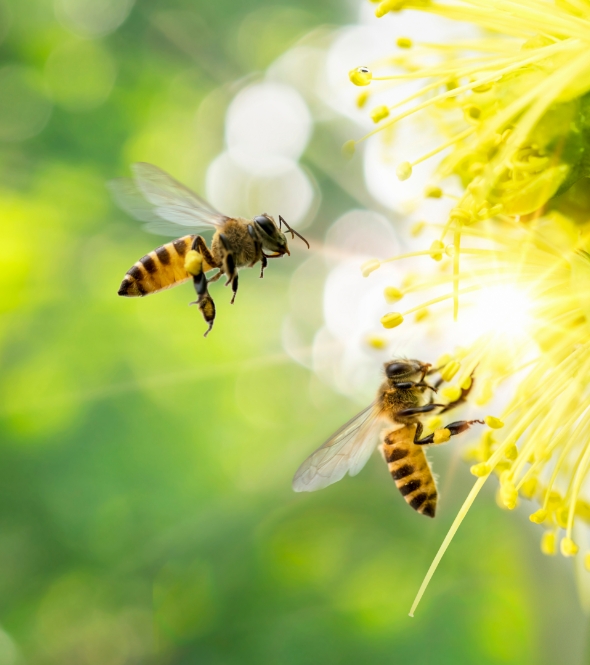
<point>410,469</point>
<point>158,270</point>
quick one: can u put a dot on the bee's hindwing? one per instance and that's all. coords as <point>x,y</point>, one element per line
<point>160,269</point>
<point>410,469</point>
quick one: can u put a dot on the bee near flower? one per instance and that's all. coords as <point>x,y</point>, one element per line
<point>513,108</point>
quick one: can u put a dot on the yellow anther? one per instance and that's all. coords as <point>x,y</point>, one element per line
<point>554,500</point>
<point>480,470</point>
<point>379,112</point>
<point>387,6</point>
<point>193,262</point>
<point>392,294</point>
<point>529,488</point>
<point>472,112</point>
<point>436,250</point>
<point>376,342</point>
<point>587,561</point>
<point>583,510</point>
<point>433,192</point>
<point>511,452</point>
<point>370,266</point>
<point>449,370</point>
<point>361,100</point>
<point>404,42</point>
<point>452,393</point>
<point>404,171</point>
<point>348,149</point>
<point>360,76</point>
<point>444,359</point>
<point>417,228</point>
<point>422,314</point>
<point>476,169</point>
<point>450,251</point>
<point>466,383</point>
<point>442,435</point>
<point>392,320</point>
<point>568,547</point>
<point>508,494</point>
<point>549,543</point>
<point>561,516</point>
<point>539,516</point>
<point>493,422</point>
<point>434,423</point>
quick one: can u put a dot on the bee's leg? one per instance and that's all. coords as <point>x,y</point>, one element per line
<point>454,428</point>
<point>204,301</point>
<point>263,264</point>
<point>234,288</point>
<point>200,246</point>
<point>417,410</point>
<point>228,263</point>
<point>406,385</point>
<point>462,397</point>
<point>215,277</point>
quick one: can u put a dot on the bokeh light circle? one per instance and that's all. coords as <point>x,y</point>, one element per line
<point>267,119</point>
<point>92,18</point>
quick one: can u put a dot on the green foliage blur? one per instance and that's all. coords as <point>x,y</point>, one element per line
<point>146,514</point>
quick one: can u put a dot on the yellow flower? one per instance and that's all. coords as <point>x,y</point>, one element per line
<point>515,105</point>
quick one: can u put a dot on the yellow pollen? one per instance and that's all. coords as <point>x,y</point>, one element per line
<point>360,76</point>
<point>348,149</point>
<point>392,294</point>
<point>392,320</point>
<point>376,342</point>
<point>452,393</point>
<point>404,42</point>
<point>484,87</point>
<point>583,510</point>
<point>421,314</point>
<point>404,171</point>
<point>587,561</point>
<point>442,435</point>
<point>508,494</point>
<point>434,423</point>
<point>361,100</point>
<point>568,547</point>
<point>466,383</point>
<point>511,452</point>
<point>480,470</point>
<point>379,112</point>
<point>370,266</point>
<point>193,262</point>
<point>539,516</point>
<point>529,488</point>
<point>436,250</point>
<point>493,422</point>
<point>450,369</point>
<point>549,543</point>
<point>433,192</point>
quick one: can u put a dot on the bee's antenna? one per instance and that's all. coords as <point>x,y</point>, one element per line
<point>292,231</point>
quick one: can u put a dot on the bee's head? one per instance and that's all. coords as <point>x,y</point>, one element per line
<point>271,237</point>
<point>401,369</point>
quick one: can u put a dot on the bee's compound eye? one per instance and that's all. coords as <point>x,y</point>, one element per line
<point>395,369</point>
<point>265,224</point>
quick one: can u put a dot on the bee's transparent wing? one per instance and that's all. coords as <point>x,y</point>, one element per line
<point>156,198</point>
<point>346,451</point>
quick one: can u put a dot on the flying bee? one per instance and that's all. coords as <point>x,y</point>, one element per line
<point>168,206</point>
<point>400,403</point>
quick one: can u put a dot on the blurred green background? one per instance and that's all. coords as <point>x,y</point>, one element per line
<point>146,514</point>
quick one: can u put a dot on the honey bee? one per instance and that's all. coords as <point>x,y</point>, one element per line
<point>400,402</point>
<point>167,206</point>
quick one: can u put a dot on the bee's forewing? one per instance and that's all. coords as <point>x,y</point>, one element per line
<point>172,200</point>
<point>346,451</point>
<point>156,198</point>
